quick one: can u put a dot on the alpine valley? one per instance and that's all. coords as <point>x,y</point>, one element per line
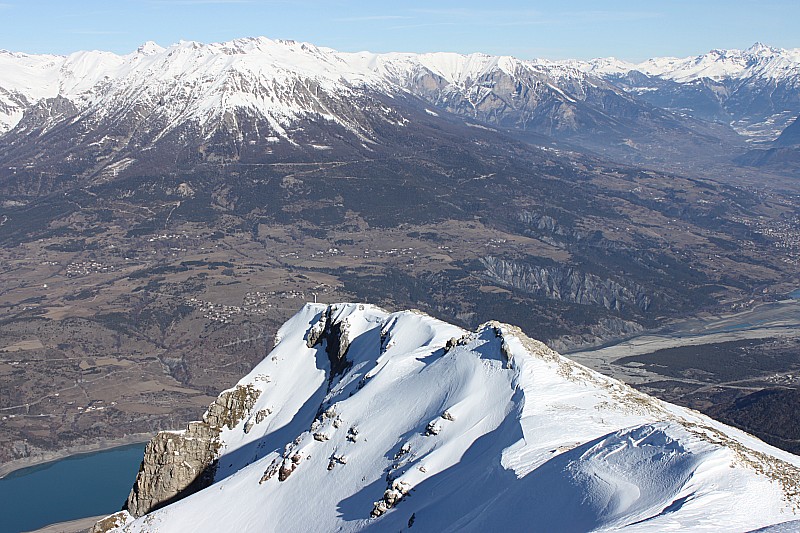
<point>162,213</point>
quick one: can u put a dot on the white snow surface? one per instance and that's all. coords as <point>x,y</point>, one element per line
<point>496,433</point>
<point>194,81</point>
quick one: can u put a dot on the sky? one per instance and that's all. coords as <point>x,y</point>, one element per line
<point>581,29</point>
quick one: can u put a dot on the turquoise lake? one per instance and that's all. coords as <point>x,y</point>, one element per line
<point>75,487</point>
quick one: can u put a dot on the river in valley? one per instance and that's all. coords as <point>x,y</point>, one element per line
<point>765,321</point>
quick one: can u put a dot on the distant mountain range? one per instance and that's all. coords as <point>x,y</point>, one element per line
<point>234,99</point>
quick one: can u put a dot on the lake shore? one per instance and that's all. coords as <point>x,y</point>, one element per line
<point>72,526</point>
<point>55,455</point>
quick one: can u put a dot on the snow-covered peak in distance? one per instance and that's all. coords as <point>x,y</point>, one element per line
<point>39,76</point>
<point>360,418</point>
<point>150,48</point>
<point>759,59</point>
<point>759,48</point>
<point>600,66</point>
<point>279,81</point>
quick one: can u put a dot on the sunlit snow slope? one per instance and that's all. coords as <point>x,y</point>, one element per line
<point>432,428</point>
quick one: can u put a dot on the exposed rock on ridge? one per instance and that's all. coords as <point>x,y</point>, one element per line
<point>333,333</point>
<point>179,463</point>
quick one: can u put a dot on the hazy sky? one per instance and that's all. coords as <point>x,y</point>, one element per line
<point>632,30</point>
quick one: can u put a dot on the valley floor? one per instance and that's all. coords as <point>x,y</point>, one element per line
<point>741,368</point>
<point>766,321</point>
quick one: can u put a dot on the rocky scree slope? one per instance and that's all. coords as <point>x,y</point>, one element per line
<point>361,419</point>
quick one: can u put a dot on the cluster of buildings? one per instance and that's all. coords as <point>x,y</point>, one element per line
<point>330,252</point>
<point>391,252</point>
<point>784,234</point>
<point>215,312</point>
<point>254,303</point>
<point>84,268</point>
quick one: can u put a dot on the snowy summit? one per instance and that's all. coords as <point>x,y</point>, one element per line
<point>363,419</point>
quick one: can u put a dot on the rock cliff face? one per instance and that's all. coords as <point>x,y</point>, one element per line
<point>599,333</point>
<point>550,229</point>
<point>45,114</point>
<point>566,284</point>
<point>179,463</point>
<point>333,333</point>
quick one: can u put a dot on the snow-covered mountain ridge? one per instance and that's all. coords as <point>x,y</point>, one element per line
<point>757,90</point>
<point>286,80</point>
<point>360,419</point>
<point>758,60</point>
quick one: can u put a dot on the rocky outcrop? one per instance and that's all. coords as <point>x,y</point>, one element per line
<point>231,407</point>
<point>179,463</point>
<point>45,114</point>
<point>516,94</point>
<point>335,335</point>
<point>566,284</point>
<point>396,492</point>
<point>544,223</point>
<point>174,464</point>
<point>526,99</point>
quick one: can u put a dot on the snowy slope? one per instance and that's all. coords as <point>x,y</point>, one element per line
<point>26,79</point>
<point>253,64</point>
<point>432,427</point>
<point>756,91</point>
<point>280,80</point>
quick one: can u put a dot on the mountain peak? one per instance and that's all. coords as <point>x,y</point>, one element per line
<point>284,81</point>
<point>363,418</point>
<point>759,48</point>
<point>150,48</point>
